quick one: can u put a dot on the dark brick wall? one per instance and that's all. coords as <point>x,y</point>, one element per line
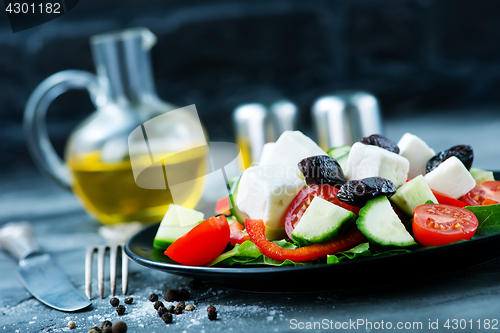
<point>414,55</point>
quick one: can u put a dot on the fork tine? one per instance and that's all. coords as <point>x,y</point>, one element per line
<point>101,252</point>
<point>88,272</point>
<point>124,272</point>
<point>101,259</point>
<point>113,252</point>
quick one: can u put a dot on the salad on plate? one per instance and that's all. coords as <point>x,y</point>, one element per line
<point>303,206</point>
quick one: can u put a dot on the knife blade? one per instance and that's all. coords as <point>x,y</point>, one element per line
<point>37,270</point>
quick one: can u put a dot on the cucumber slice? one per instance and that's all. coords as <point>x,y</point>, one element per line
<point>340,154</point>
<point>380,224</point>
<point>176,223</point>
<point>231,181</point>
<point>230,219</point>
<point>481,176</point>
<point>321,222</point>
<point>339,151</point>
<point>342,160</point>
<point>167,235</point>
<point>412,194</point>
<point>239,215</point>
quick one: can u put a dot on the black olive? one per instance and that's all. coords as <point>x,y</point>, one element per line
<point>463,152</point>
<point>322,169</point>
<point>380,141</point>
<point>358,192</point>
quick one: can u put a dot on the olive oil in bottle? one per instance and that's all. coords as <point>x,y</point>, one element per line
<point>109,192</point>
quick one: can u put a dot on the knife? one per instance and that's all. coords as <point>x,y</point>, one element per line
<point>37,271</point>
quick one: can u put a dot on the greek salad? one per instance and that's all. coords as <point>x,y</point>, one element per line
<point>301,205</point>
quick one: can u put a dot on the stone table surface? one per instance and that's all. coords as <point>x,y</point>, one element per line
<point>65,230</point>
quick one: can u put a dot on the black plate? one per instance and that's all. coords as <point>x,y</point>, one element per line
<point>366,273</point>
<point>355,274</point>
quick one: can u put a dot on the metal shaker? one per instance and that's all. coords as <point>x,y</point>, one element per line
<point>345,117</point>
<point>281,117</point>
<point>249,123</point>
<point>258,123</point>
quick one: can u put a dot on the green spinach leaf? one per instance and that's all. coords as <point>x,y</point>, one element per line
<point>247,253</point>
<point>488,218</point>
<point>362,250</point>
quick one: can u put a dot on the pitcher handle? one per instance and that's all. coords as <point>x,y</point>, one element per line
<point>35,129</point>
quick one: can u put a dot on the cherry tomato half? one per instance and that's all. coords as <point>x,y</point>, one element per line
<point>437,224</point>
<point>303,199</point>
<point>202,244</point>
<point>487,193</point>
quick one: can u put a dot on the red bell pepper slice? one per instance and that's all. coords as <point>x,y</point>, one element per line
<point>256,231</point>
<point>447,200</point>
<point>237,235</point>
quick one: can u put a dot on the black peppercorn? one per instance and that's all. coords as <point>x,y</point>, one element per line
<point>212,314</point>
<point>114,301</point>
<point>178,311</point>
<point>119,327</point>
<point>181,305</point>
<point>158,304</point>
<point>153,297</point>
<point>120,309</point>
<point>162,311</point>
<point>171,309</point>
<point>167,318</point>
<point>106,323</point>
<point>128,300</point>
<point>211,307</point>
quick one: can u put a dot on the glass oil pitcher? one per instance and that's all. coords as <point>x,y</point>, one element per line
<point>97,164</point>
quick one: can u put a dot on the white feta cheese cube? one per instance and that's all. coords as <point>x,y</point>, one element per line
<point>451,178</point>
<point>290,149</point>
<point>372,161</point>
<point>267,150</point>
<point>265,191</point>
<point>417,152</point>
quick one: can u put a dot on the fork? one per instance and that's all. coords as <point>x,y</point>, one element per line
<point>101,253</point>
